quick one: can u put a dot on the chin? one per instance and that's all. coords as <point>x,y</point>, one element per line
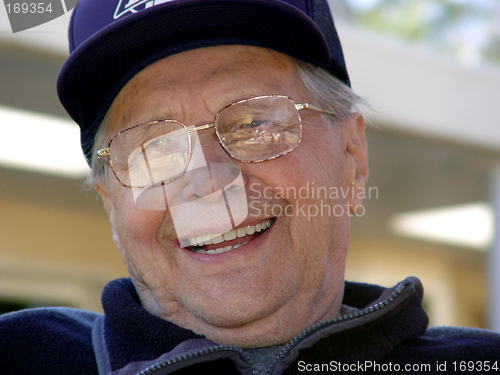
<point>233,316</point>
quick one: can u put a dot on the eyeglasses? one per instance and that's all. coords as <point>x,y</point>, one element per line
<point>251,131</point>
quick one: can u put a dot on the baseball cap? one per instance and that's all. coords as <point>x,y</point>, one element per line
<point>112,40</point>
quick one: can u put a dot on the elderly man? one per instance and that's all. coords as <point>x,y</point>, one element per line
<point>214,129</point>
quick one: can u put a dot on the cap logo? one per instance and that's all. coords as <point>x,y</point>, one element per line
<point>133,6</point>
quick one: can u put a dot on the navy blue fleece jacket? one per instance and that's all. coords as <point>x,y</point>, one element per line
<point>379,327</point>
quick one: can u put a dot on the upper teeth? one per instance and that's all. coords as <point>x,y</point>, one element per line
<point>209,239</point>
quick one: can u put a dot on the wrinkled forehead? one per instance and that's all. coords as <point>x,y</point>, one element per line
<point>220,75</point>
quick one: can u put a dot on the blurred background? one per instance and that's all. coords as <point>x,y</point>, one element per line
<point>430,70</point>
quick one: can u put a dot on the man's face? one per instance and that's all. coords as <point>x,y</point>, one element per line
<point>284,278</point>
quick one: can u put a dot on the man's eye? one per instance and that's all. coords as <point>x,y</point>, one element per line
<point>255,123</point>
<point>158,142</point>
<point>165,144</point>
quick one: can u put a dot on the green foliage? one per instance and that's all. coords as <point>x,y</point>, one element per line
<point>469,29</point>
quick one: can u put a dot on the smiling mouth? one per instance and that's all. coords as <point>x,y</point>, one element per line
<point>224,242</point>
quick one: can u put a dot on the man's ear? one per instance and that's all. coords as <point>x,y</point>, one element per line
<point>101,187</point>
<point>357,161</point>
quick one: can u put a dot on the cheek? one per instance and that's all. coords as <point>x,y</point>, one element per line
<point>317,162</point>
<point>314,176</point>
<point>136,228</point>
<point>325,153</point>
<point>139,237</point>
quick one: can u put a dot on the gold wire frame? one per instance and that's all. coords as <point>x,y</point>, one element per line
<point>298,106</point>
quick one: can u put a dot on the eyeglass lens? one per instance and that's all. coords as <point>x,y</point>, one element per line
<point>259,129</point>
<point>150,154</point>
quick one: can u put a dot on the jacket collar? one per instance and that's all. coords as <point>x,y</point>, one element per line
<point>367,331</point>
<point>129,332</point>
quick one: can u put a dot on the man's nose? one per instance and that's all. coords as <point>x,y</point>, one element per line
<point>211,171</point>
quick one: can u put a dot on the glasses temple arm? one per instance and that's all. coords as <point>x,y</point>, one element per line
<point>102,152</point>
<point>301,106</point>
